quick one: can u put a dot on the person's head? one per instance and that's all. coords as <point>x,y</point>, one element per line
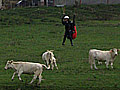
<point>66,18</point>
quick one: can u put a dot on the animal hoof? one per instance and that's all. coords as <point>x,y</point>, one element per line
<point>21,80</point>
<point>112,67</point>
<point>91,68</point>
<point>96,68</point>
<point>12,79</point>
<point>29,83</point>
<point>38,84</point>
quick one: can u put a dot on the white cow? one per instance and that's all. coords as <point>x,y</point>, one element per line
<point>26,68</point>
<point>49,58</point>
<point>99,55</point>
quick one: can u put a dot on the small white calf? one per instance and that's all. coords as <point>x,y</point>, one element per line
<point>49,58</point>
<point>26,68</point>
<point>99,55</point>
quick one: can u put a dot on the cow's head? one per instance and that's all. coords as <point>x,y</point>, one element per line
<point>115,51</point>
<point>50,53</point>
<point>9,65</point>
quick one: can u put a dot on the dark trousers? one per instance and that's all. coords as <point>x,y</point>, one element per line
<point>68,34</point>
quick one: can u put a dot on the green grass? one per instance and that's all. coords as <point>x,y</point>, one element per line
<point>25,33</point>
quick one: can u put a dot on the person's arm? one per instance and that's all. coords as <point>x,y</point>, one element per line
<point>74,19</point>
<point>63,22</point>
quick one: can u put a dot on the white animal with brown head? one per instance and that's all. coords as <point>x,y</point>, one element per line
<point>108,56</point>
<point>26,68</point>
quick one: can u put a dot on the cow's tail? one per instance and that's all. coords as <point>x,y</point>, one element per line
<point>43,65</point>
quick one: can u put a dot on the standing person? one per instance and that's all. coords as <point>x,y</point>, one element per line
<point>69,28</point>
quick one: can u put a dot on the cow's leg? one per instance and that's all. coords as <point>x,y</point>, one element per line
<point>55,64</point>
<point>37,73</point>
<point>52,65</point>
<point>112,65</point>
<point>107,63</point>
<point>14,75</point>
<point>19,74</point>
<point>34,78</point>
<point>94,65</point>
<point>40,78</point>
<point>91,66</point>
<point>91,61</point>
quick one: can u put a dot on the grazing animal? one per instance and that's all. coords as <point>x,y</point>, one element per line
<point>49,58</point>
<point>100,55</point>
<point>26,68</point>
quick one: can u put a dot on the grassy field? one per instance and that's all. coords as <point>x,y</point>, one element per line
<point>25,33</point>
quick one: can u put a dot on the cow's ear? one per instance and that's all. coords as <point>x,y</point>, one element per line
<point>111,50</point>
<point>8,61</point>
<point>51,50</point>
<point>11,61</point>
<point>118,50</point>
<point>47,50</point>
